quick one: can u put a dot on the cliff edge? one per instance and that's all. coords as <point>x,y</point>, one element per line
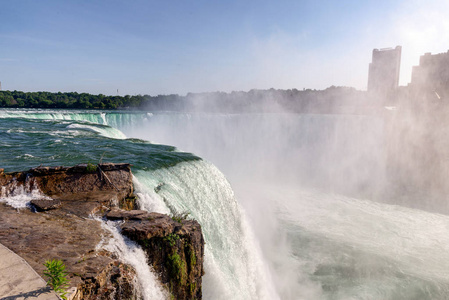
<point>58,223</point>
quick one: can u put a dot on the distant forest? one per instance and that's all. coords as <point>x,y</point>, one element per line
<point>329,100</point>
<point>20,99</point>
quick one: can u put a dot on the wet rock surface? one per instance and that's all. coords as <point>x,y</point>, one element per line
<point>56,234</point>
<point>44,204</point>
<point>63,228</point>
<point>59,182</point>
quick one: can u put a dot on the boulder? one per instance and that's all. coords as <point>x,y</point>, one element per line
<point>45,204</point>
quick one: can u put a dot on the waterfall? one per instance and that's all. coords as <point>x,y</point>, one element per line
<point>234,266</point>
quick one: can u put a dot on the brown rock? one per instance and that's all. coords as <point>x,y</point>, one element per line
<point>108,185</point>
<point>64,231</point>
<point>118,214</point>
<point>114,282</point>
<point>56,234</point>
<point>59,182</point>
<point>67,233</point>
<point>44,204</point>
<point>175,249</point>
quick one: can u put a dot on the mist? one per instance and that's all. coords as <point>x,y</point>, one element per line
<point>307,180</point>
<point>267,156</point>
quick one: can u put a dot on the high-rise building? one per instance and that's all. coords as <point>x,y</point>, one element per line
<point>383,76</point>
<point>432,74</point>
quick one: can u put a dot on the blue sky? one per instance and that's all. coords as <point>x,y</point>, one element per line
<point>164,46</point>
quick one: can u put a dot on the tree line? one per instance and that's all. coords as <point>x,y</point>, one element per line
<point>18,99</point>
<point>272,100</point>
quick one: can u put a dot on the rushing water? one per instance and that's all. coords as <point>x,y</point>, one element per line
<point>277,226</point>
<point>133,255</point>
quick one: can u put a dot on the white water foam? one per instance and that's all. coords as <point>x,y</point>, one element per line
<point>25,156</point>
<point>54,114</point>
<point>104,131</point>
<point>92,117</point>
<point>132,254</point>
<point>19,196</point>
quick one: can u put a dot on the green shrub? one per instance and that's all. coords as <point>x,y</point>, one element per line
<point>91,168</point>
<point>57,277</point>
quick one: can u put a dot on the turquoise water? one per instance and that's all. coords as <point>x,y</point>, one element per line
<point>28,142</point>
<point>232,263</point>
<point>274,218</point>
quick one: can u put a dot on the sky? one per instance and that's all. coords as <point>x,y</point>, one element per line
<point>179,46</point>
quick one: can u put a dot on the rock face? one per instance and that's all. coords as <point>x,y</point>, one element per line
<point>115,281</point>
<point>105,183</point>
<point>175,248</point>
<point>63,229</point>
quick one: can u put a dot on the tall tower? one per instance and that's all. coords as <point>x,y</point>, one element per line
<point>0,85</point>
<point>383,76</point>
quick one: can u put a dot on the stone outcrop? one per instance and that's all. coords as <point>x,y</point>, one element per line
<point>106,184</point>
<point>115,281</point>
<point>63,229</point>
<point>46,204</point>
<point>175,248</point>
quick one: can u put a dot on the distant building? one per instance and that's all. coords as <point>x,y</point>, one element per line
<point>432,74</point>
<point>383,76</point>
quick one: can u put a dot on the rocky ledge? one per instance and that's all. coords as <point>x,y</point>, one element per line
<point>60,226</point>
<point>175,248</point>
